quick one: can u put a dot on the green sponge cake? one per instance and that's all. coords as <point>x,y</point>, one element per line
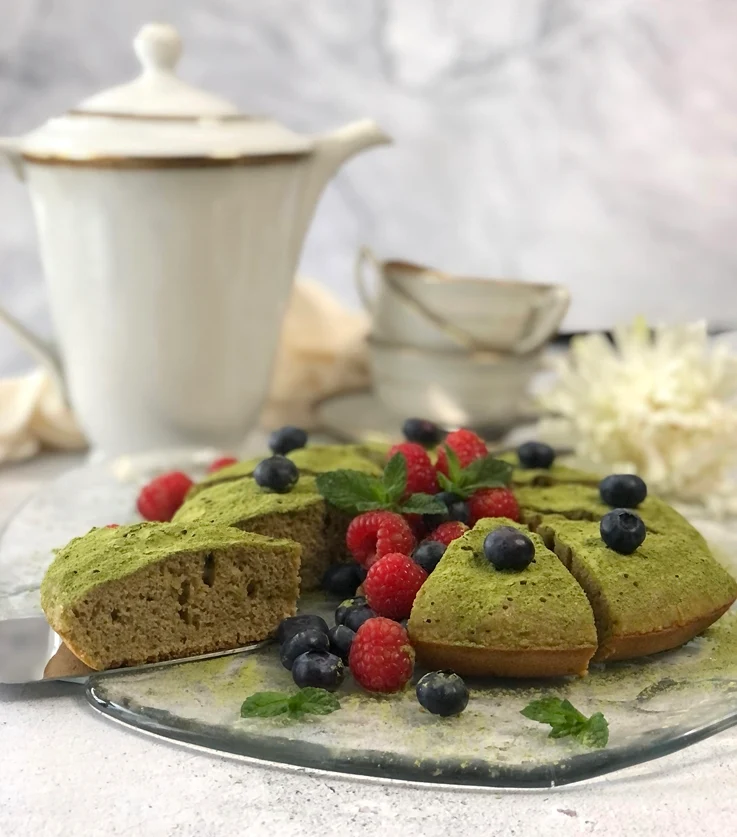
<point>663,594</point>
<point>301,515</point>
<point>579,502</point>
<point>155,591</point>
<point>477,620</point>
<point>555,475</point>
<point>315,459</point>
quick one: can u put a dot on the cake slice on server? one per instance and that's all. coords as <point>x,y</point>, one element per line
<point>477,620</point>
<point>150,592</point>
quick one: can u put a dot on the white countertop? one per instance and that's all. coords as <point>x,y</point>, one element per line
<point>64,769</point>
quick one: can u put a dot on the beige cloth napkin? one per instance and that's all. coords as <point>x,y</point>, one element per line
<point>322,352</point>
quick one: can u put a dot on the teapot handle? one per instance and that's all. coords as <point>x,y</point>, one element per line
<point>38,348</point>
<point>545,320</point>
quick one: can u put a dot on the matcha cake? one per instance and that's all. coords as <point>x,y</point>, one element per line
<point>477,620</point>
<point>557,474</point>
<point>301,515</point>
<point>580,502</point>
<point>659,597</point>
<point>156,591</point>
<point>314,459</point>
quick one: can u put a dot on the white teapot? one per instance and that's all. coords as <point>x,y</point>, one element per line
<point>170,227</point>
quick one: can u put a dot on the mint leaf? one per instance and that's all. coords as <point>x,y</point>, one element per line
<point>422,504</point>
<point>307,701</point>
<point>596,732</point>
<point>351,490</point>
<point>312,701</point>
<point>454,464</point>
<point>565,720</point>
<point>395,478</point>
<point>445,483</point>
<point>265,705</point>
<point>486,472</point>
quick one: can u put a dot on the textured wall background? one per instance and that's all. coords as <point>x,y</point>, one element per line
<point>561,140</point>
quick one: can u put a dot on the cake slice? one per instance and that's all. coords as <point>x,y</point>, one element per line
<point>157,591</point>
<point>557,474</point>
<point>302,515</point>
<point>312,460</point>
<point>477,620</point>
<point>580,502</point>
<point>663,594</point>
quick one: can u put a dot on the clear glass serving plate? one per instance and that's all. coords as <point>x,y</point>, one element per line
<point>654,706</point>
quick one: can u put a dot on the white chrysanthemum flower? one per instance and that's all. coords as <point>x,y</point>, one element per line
<point>661,405</point>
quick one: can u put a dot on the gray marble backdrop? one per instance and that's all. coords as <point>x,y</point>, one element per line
<point>589,143</point>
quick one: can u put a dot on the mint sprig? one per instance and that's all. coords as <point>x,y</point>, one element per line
<point>565,720</point>
<point>356,492</point>
<point>485,472</point>
<point>307,701</point>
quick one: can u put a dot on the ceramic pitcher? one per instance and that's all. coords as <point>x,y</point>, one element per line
<point>170,226</point>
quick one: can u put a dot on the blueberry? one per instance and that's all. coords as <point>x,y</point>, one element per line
<point>341,639</point>
<point>443,693</point>
<point>422,431</point>
<point>535,455</point>
<point>622,530</point>
<point>319,669</point>
<point>342,610</point>
<point>457,509</point>
<point>623,490</point>
<point>341,579</point>
<point>296,624</point>
<point>356,616</point>
<point>276,473</point>
<point>312,639</point>
<point>509,549</point>
<point>428,554</point>
<point>287,439</point>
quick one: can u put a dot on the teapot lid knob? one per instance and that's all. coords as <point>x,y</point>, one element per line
<point>158,47</point>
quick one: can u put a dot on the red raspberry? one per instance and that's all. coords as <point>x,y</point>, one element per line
<point>374,534</point>
<point>447,532</point>
<point>421,475</point>
<point>466,445</point>
<point>493,502</point>
<point>381,658</point>
<point>113,526</point>
<point>160,498</point>
<point>392,584</point>
<point>221,463</point>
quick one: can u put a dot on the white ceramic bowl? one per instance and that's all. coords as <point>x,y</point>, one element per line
<point>425,308</point>
<point>470,390</point>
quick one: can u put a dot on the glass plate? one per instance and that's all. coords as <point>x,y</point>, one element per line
<point>654,706</point>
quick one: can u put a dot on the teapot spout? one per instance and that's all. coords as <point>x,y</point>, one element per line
<point>331,150</point>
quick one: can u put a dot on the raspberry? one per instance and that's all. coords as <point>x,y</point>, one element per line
<point>221,463</point>
<point>376,533</point>
<point>466,445</point>
<point>493,502</point>
<point>160,498</point>
<point>113,526</point>
<point>381,657</point>
<point>392,584</point>
<point>421,475</point>
<point>447,532</point>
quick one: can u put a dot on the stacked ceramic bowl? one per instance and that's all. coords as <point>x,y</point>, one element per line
<point>459,351</point>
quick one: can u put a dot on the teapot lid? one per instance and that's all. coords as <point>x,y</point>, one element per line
<point>158,116</point>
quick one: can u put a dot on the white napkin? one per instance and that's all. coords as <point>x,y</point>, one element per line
<point>322,352</point>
